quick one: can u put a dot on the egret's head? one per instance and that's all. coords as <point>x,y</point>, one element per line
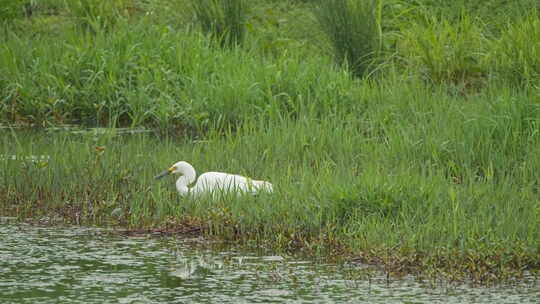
<point>171,170</point>
<point>175,169</point>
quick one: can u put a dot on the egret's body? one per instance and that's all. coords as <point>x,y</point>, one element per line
<point>212,182</point>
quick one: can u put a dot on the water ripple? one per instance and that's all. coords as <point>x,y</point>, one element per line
<point>85,265</point>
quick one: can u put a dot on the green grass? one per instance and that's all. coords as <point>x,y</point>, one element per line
<point>391,178</point>
<point>97,15</point>
<point>223,20</point>
<point>430,164</point>
<point>354,32</point>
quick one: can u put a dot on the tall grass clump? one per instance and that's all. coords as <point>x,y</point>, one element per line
<point>223,20</point>
<point>353,31</point>
<point>516,54</point>
<point>97,15</point>
<point>445,52</point>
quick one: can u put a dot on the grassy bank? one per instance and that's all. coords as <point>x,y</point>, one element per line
<point>425,159</point>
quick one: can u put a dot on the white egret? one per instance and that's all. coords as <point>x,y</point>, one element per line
<point>212,182</point>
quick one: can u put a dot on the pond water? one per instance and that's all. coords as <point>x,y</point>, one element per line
<point>88,265</point>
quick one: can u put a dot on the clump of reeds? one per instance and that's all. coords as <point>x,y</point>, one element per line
<point>97,15</point>
<point>353,31</point>
<point>223,20</point>
<point>446,52</point>
<point>515,55</point>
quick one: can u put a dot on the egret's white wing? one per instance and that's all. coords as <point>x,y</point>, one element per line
<point>219,181</point>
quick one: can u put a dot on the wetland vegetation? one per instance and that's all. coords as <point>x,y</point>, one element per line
<point>413,144</point>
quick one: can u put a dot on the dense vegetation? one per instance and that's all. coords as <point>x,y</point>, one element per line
<point>413,142</point>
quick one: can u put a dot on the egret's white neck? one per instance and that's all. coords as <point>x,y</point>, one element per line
<point>187,177</point>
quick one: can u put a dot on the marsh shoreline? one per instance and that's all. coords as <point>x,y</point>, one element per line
<point>422,159</point>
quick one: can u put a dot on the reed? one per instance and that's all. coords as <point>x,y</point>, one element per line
<point>97,16</point>
<point>223,20</point>
<point>353,31</point>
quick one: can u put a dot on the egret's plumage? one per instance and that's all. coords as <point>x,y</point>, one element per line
<point>210,182</point>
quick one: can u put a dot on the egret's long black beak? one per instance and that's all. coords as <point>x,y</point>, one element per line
<point>163,174</point>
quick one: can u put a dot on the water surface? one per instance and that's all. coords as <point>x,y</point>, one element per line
<point>88,265</point>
